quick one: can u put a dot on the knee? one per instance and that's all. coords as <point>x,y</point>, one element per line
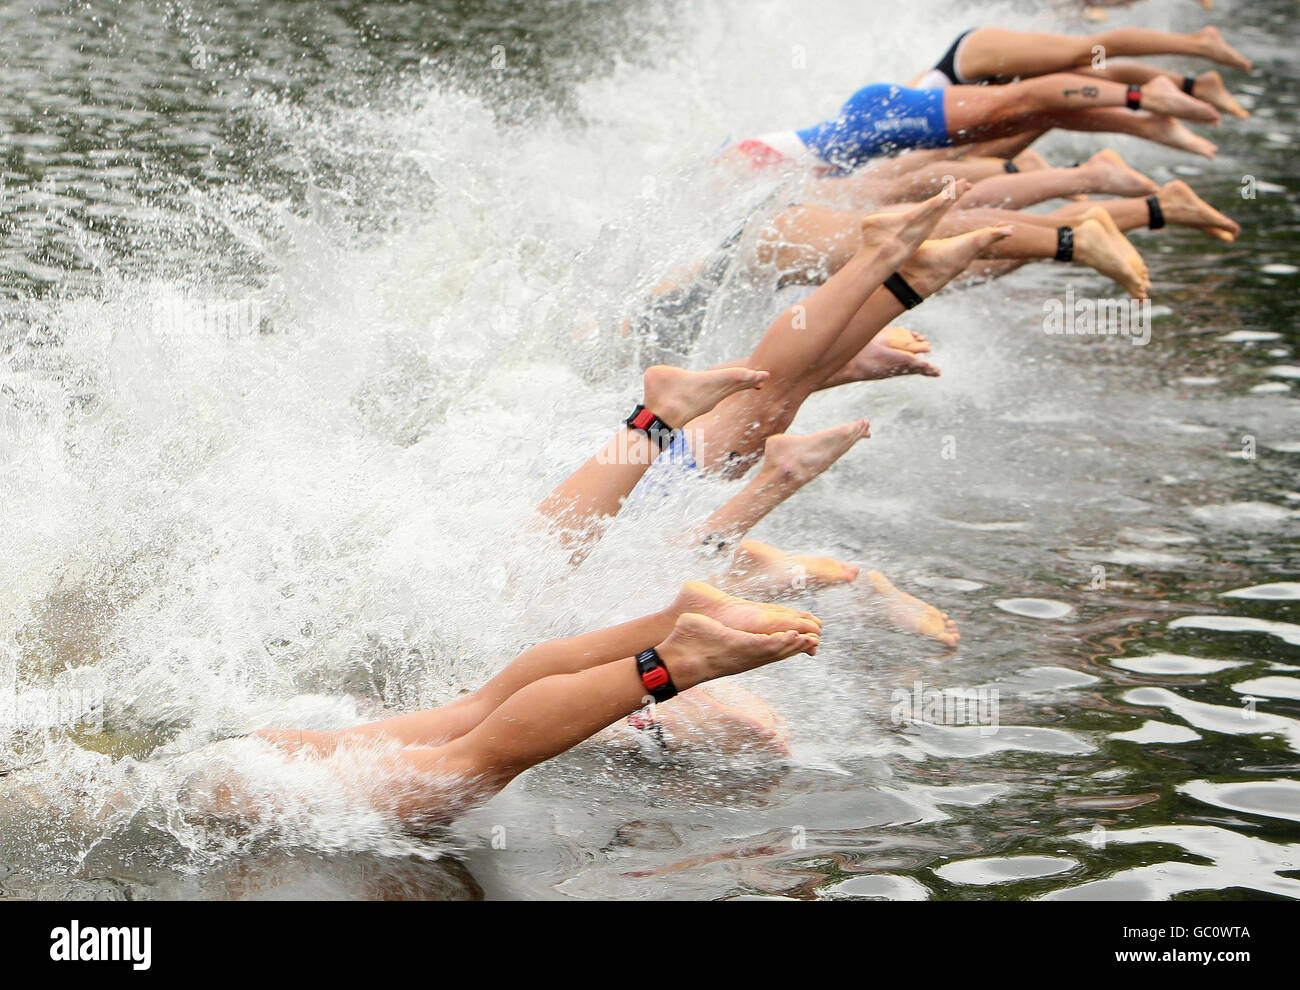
<point>786,242</point>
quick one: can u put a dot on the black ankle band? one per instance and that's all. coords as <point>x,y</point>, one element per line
<point>1189,84</point>
<point>1133,98</point>
<point>643,420</point>
<point>1064,243</point>
<point>1011,167</point>
<point>1155,215</point>
<point>903,292</point>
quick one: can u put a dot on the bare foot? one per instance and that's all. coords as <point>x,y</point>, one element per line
<point>1116,177</point>
<point>1111,254</point>
<point>889,354</point>
<point>909,613</point>
<point>1103,217</point>
<point>677,396</point>
<point>1218,50</point>
<point>1165,130</point>
<point>760,568</point>
<point>701,649</point>
<point>1182,206</point>
<point>900,232</point>
<point>1161,95</point>
<point>937,262</point>
<point>902,339</point>
<point>1209,87</point>
<point>793,460</point>
<point>742,614</point>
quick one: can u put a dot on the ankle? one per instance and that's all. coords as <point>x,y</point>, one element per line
<point>920,275</point>
<point>875,255</point>
<point>778,470</point>
<point>665,406</point>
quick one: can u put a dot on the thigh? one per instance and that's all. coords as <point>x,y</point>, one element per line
<point>991,53</point>
<point>811,241</point>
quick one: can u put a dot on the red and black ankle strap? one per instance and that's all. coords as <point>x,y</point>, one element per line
<point>1155,213</point>
<point>654,675</point>
<point>1133,98</point>
<point>903,292</point>
<point>1064,243</point>
<point>643,420</point>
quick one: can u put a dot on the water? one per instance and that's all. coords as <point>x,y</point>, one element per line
<point>328,516</point>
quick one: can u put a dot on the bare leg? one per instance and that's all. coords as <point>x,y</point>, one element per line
<point>794,345</point>
<point>892,352</point>
<point>1210,88</point>
<point>909,613</point>
<point>1103,173</point>
<point>732,433</point>
<point>742,722</point>
<point>994,52</point>
<point>1029,160</point>
<point>728,438</point>
<point>1010,147</point>
<point>761,569</point>
<point>557,712</point>
<point>875,186</point>
<point>993,185</point>
<point>908,161</point>
<point>810,241</point>
<point>560,656</point>
<point>831,236</point>
<point>1207,86</point>
<point>595,492</point>
<point>987,268</point>
<point>978,112</point>
<point>932,267</point>
<point>1156,127</point>
<point>789,463</point>
<point>1098,242</point>
<point>1179,204</point>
